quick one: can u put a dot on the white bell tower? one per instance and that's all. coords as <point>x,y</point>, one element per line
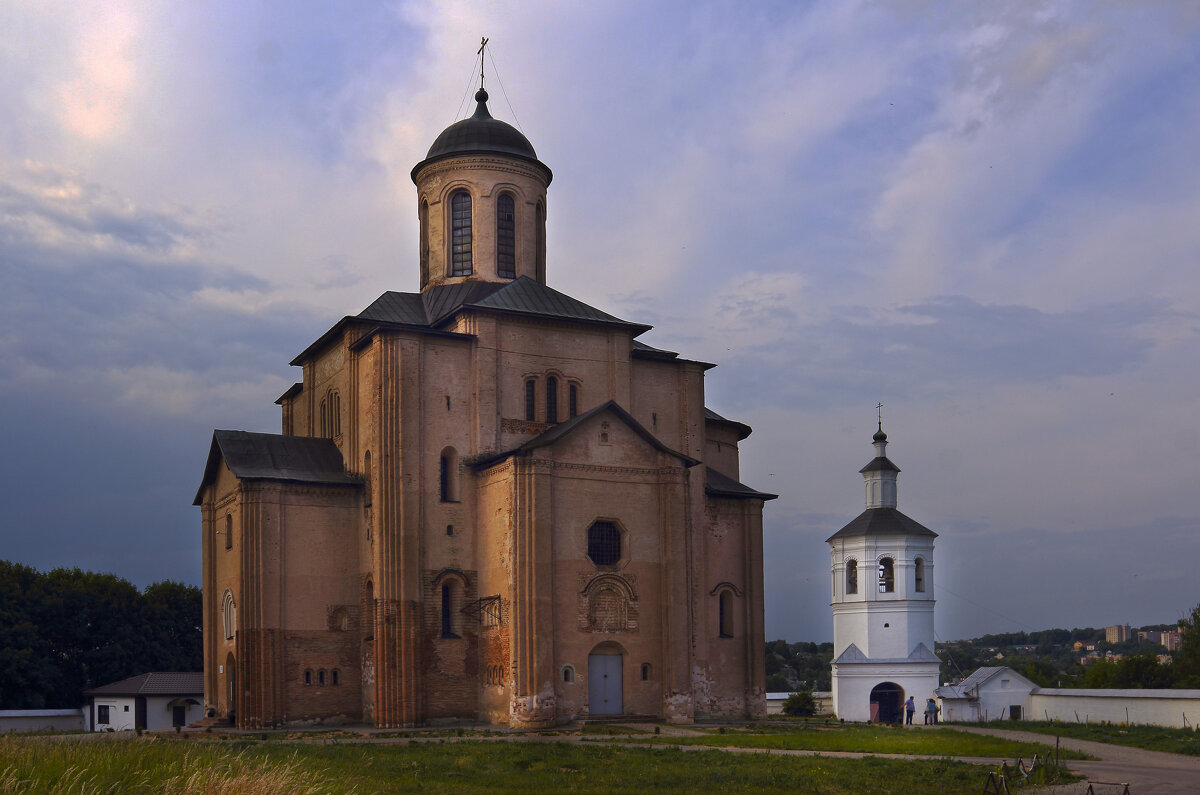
<point>882,604</point>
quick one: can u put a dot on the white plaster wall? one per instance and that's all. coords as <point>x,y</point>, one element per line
<point>35,720</point>
<point>158,712</point>
<point>121,714</point>
<point>1149,707</point>
<point>860,618</point>
<point>996,701</point>
<point>853,683</point>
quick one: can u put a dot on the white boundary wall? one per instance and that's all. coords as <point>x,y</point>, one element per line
<point>1174,708</point>
<point>37,720</point>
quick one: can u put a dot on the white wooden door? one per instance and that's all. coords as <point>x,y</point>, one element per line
<point>604,684</point>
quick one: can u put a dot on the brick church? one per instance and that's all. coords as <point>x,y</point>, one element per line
<point>489,501</point>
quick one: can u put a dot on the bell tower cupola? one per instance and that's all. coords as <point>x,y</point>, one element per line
<point>481,201</point>
<point>880,474</point>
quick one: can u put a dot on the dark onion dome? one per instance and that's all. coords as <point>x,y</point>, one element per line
<point>879,436</point>
<point>479,135</point>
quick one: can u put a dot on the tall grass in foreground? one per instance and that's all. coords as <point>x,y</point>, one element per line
<point>194,765</point>
<point>129,764</point>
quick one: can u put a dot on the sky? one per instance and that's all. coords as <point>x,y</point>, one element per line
<point>985,216</point>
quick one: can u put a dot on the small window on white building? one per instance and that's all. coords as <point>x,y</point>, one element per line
<point>852,576</point>
<point>919,573</point>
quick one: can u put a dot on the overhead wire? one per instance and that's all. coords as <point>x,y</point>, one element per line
<point>463,101</point>
<point>505,93</point>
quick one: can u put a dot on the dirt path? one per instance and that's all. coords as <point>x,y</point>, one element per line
<point>1146,772</point>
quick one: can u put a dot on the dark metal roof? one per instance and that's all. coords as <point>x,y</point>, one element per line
<point>481,134</point>
<point>743,430</point>
<point>719,485</point>
<point>882,522</point>
<point>522,296</point>
<point>643,351</point>
<point>269,456</point>
<point>880,464</point>
<point>552,435</point>
<point>174,683</point>
<point>292,391</point>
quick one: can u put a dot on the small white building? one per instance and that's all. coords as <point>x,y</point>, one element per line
<point>882,572</point>
<point>149,701</point>
<point>992,693</point>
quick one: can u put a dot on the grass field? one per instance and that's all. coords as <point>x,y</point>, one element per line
<point>1153,738</point>
<point>866,739</point>
<point>130,764</point>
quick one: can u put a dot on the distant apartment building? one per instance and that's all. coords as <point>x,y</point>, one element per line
<point>1117,634</point>
<point>1168,639</point>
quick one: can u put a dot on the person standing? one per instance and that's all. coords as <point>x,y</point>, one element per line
<point>931,711</point>
<point>910,707</point>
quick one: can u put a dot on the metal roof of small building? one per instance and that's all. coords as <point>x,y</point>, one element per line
<point>882,522</point>
<point>171,683</point>
<point>270,456</point>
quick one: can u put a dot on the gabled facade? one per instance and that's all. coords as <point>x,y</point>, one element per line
<point>489,500</point>
<point>990,693</point>
<point>882,589</point>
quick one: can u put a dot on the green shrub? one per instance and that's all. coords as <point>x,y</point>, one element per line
<point>800,704</point>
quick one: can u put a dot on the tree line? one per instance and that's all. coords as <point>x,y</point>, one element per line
<point>66,631</point>
<point>1052,662</point>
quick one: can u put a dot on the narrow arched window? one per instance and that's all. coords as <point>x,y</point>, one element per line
<point>539,224</point>
<point>448,600</point>
<point>460,234</point>
<point>506,252</point>
<point>645,672</point>
<point>335,414</point>
<point>530,400</point>
<point>424,214</point>
<point>725,613</point>
<point>448,475</point>
<point>324,417</point>
<point>367,485</point>
<point>551,399</point>
<point>336,678</point>
<point>321,677</point>
<point>919,574</point>
<point>887,576</point>
<point>228,531</point>
<point>852,576</point>
<point>568,673</point>
<point>572,401</point>
<point>229,615</point>
<point>308,677</point>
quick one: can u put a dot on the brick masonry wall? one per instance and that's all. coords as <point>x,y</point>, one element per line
<point>326,651</point>
<point>450,667</point>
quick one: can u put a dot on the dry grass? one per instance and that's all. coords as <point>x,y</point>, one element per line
<point>129,764</point>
